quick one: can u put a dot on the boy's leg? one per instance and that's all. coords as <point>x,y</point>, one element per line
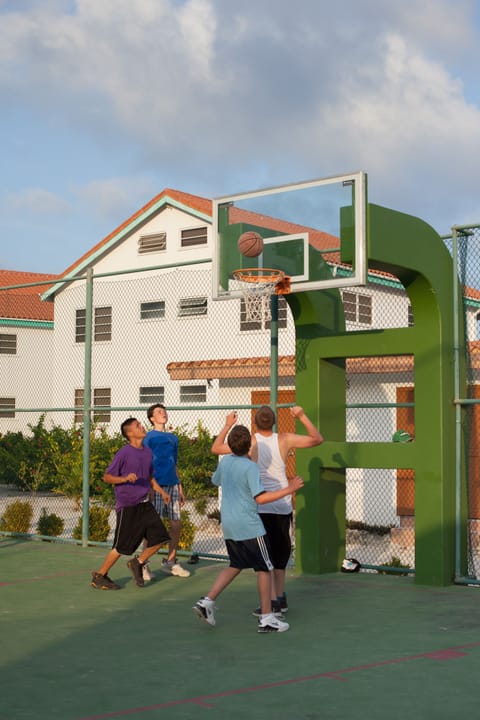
<point>205,607</point>
<point>109,561</point>
<point>265,584</point>
<point>100,579</point>
<point>224,578</point>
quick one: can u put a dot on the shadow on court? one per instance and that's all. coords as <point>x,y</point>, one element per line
<point>359,645</point>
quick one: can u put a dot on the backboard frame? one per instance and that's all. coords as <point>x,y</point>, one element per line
<point>299,284</point>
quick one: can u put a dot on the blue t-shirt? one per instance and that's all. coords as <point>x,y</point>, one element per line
<point>127,460</point>
<point>164,446</point>
<point>239,478</point>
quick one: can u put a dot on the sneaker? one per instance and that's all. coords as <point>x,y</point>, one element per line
<point>205,610</point>
<point>137,571</point>
<point>270,624</point>
<point>147,573</point>
<point>166,567</point>
<point>178,570</point>
<point>283,603</point>
<point>276,610</point>
<point>103,582</point>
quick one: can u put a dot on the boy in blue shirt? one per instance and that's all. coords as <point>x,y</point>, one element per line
<point>164,446</point>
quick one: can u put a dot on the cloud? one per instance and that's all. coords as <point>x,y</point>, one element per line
<point>215,96</point>
<point>114,199</point>
<point>34,202</point>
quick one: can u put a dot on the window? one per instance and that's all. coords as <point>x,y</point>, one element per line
<point>152,243</point>
<point>102,324</point>
<point>102,397</point>
<point>193,393</point>
<point>358,308</point>
<point>78,404</point>
<point>151,395</point>
<point>7,407</point>
<point>8,343</point>
<point>152,310</point>
<point>80,322</point>
<point>246,324</point>
<point>196,236</point>
<point>192,306</point>
<point>410,316</point>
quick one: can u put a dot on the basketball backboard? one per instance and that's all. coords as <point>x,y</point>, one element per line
<point>314,231</point>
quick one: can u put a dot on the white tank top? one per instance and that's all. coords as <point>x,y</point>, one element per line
<point>272,474</point>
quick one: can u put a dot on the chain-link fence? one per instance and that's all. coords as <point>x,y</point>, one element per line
<point>110,345</point>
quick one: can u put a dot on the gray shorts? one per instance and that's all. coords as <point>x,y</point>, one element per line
<point>172,510</point>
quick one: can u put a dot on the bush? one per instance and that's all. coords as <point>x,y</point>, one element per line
<point>98,525</point>
<point>196,464</point>
<point>187,532</point>
<point>50,524</point>
<point>17,517</point>
<point>395,562</point>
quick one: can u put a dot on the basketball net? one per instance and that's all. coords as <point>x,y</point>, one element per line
<point>257,286</point>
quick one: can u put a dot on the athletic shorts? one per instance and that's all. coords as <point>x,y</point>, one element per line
<point>278,528</point>
<point>172,510</point>
<point>136,523</point>
<point>252,553</point>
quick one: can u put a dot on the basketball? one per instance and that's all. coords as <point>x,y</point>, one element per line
<point>250,244</point>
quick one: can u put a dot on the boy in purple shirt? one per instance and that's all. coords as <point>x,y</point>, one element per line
<point>131,473</point>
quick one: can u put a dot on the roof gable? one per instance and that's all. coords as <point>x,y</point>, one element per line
<point>195,205</point>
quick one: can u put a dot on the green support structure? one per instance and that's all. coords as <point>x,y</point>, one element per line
<point>412,251</point>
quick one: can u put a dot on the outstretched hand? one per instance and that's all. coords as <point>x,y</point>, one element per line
<point>231,418</point>
<point>296,411</point>
<point>296,483</point>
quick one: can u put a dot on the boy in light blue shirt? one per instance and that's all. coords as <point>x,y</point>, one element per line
<point>243,530</point>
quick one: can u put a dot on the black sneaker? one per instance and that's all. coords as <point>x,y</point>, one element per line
<point>283,604</point>
<point>276,610</point>
<point>103,582</point>
<point>136,568</point>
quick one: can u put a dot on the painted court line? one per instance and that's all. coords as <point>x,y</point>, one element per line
<point>206,701</point>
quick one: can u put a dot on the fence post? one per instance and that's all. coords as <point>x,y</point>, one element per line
<point>87,384</point>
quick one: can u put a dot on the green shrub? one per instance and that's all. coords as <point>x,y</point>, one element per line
<point>98,525</point>
<point>50,524</point>
<point>196,464</point>
<point>365,527</point>
<point>395,562</point>
<point>200,505</point>
<point>187,532</point>
<point>17,517</point>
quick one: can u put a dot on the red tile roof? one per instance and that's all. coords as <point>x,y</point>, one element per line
<point>194,202</point>
<point>24,303</point>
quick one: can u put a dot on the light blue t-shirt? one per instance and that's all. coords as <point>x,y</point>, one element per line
<point>239,479</point>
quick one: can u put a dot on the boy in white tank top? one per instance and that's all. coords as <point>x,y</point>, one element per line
<point>270,451</point>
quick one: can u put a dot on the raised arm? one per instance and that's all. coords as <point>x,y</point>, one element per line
<point>220,446</point>
<point>289,441</point>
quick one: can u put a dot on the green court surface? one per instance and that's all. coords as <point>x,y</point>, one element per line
<point>359,645</point>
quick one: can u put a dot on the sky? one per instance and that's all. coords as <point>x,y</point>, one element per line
<point>104,103</point>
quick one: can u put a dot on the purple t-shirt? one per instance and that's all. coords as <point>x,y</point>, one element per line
<point>130,459</point>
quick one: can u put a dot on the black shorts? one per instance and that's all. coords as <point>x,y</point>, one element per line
<point>253,553</point>
<point>135,523</point>
<point>278,528</point>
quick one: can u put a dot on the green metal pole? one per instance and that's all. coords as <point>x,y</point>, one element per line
<point>274,354</point>
<point>87,392</point>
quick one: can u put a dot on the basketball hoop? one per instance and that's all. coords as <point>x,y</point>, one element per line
<point>257,285</point>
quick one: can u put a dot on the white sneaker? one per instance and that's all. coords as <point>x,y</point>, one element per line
<point>270,624</point>
<point>179,571</point>
<point>205,610</point>
<point>147,573</point>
